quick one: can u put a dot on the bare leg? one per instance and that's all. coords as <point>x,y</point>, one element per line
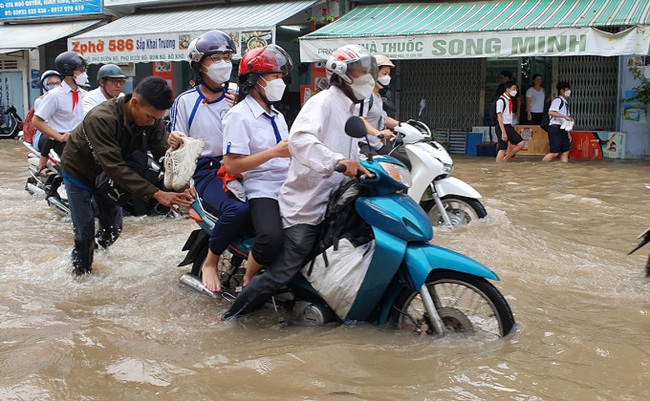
<point>515,149</point>
<point>564,157</point>
<point>500,156</point>
<point>42,162</point>
<point>210,272</point>
<point>252,268</point>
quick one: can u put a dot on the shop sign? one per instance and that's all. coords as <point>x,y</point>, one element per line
<point>567,42</point>
<point>156,47</point>
<point>24,9</point>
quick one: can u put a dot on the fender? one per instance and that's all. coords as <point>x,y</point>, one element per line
<point>421,259</point>
<point>454,186</point>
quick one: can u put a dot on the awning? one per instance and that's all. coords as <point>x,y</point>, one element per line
<point>165,35</point>
<point>499,28</point>
<point>30,36</point>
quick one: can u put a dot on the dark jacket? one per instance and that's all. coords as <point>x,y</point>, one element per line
<point>112,140</point>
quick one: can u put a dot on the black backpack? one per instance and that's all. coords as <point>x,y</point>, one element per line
<point>546,119</point>
<point>494,121</point>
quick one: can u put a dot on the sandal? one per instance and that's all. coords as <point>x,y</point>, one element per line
<point>45,172</point>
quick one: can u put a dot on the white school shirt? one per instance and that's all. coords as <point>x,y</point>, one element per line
<point>196,118</point>
<point>504,108</point>
<point>376,117</point>
<point>564,110</point>
<point>317,142</point>
<point>57,109</point>
<point>536,99</point>
<point>247,131</point>
<point>93,98</point>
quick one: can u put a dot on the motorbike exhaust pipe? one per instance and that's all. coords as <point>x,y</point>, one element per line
<point>58,205</point>
<point>35,190</point>
<point>194,283</point>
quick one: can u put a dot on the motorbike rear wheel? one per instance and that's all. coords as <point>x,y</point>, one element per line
<point>466,304</point>
<point>461,210</point>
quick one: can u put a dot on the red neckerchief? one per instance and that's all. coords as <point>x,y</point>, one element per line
<point>75,99</point>
<point>509,100</point>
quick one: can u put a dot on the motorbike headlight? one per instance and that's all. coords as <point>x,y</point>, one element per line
<point>447,168</point>
<point>396,172</point>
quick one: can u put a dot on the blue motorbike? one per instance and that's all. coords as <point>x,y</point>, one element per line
<point>395,275</point>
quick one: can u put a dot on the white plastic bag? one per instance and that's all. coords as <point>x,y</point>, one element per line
<point>338,283</point>
<point>567,125</point>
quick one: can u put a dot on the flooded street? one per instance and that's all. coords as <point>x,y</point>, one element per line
<point>557,235</point>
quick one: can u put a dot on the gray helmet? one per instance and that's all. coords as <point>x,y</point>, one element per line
<point>110,71</point>
<point>67,62</point>
<point>207,44</point>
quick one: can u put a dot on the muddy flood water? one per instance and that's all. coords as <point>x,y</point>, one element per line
<point>557,235</point>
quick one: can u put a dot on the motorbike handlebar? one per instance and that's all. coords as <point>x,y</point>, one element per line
<point>340,168</point>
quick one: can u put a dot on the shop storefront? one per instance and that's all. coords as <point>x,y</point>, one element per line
<point>155,42</point>
<point>27,29</point>
<point>450,54</point>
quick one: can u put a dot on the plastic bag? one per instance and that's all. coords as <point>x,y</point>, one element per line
<point>339,281</point>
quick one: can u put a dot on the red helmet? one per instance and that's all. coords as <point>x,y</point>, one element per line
<point>265,60</point>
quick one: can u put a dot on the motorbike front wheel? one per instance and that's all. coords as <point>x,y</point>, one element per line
<point>466,304</point>
<point>461,210</point>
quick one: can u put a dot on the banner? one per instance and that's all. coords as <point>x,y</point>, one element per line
<point>156,47</point>
<point>564,42</point>
<point>24,9</point>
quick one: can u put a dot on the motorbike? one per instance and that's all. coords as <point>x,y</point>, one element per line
<point>446,200</point>
<point>50,186</point>
<point>10,123</point>
<point>395,276</point>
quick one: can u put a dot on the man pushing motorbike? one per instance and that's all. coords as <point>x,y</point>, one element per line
<point>318,143</point>
<point>105,161</point>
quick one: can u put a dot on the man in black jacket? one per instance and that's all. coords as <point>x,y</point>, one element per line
<point>108,140</point>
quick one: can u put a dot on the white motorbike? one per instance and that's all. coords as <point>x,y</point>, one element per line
<point>446,200</point>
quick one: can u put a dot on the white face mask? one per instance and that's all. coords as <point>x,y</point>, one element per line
<point>50,87</point>
<point>274,89</point>
<point>384,81</point>
<point>362,86</point>
<point>219,72</point>
<point>81,79</point>
<point>513,93</point>
<point>567,93</point>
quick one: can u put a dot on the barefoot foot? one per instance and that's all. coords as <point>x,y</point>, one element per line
<point>210,278</point>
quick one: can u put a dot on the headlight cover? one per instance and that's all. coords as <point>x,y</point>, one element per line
<point>397,173</point>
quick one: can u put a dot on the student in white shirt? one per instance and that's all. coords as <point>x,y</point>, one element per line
<point>61,110</point>
<point>558,138</point>
<point>505,131</point>
<point>255,145</point>
<point>110,79</point>
<point>535,97</point>
<point>198,113</point>
<point>318,143</point>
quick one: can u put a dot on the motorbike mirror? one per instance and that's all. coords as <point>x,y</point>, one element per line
<point>423,103</point>
<point>355,127</point>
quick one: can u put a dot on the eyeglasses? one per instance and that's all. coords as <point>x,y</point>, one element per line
<point>116,81</point>
<point>221,56</point>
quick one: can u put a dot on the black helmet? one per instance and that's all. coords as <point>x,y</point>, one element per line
<point>110,71</point>
<point>67,62</point>
<point>209,43</point>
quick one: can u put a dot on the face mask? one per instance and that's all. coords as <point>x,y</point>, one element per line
<point>362,86</point>
<point>81,79</point>
<point>567,93</point>
<point>219,72</point>
<point>274,89</point>
<point>50,87</point>
<point>384,81</point>
<point>513,93</point>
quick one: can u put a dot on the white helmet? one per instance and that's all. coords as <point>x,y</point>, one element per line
<point>349,58</point>
<point>383,61</point>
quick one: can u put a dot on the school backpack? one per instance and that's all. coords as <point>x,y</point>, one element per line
<point>494,121</point>
<point>546,119</point>
<point>28,127</point>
